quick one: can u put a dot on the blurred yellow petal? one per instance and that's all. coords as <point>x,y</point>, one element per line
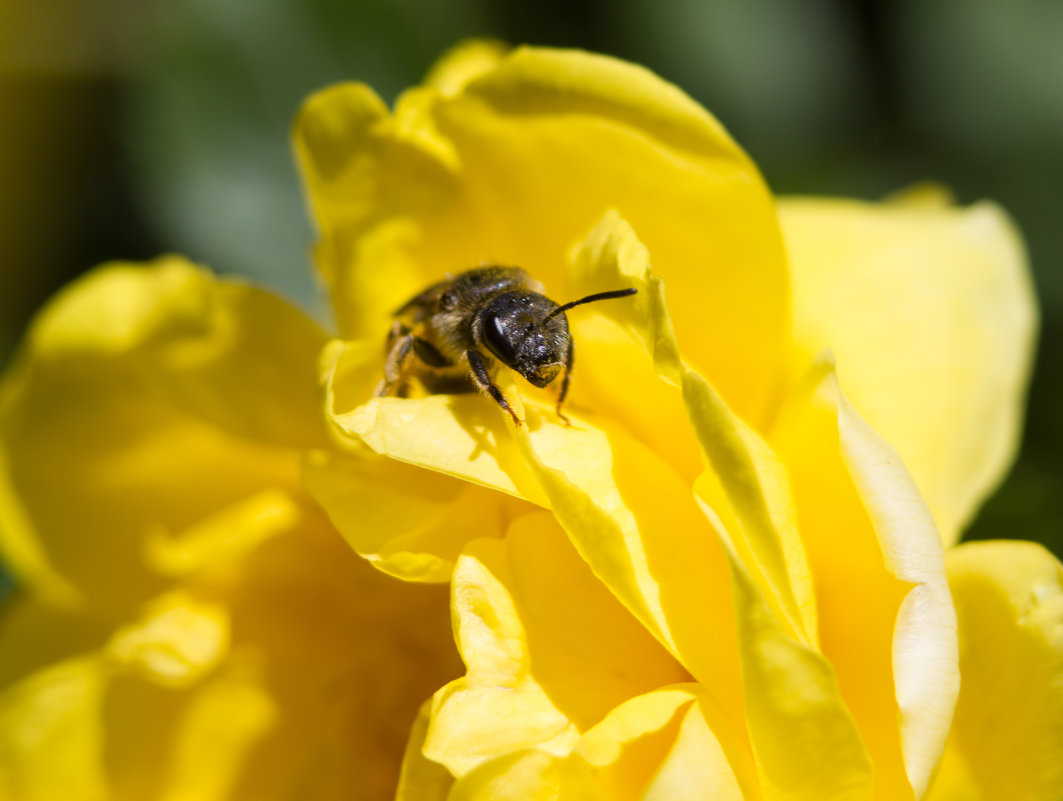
<point>515,166</point>
<point>469,60</point>
<point>374,186</point>
<point>52,734</point>
<point>34,632</point>
<point>216,543</point>
<point>224,720</point>
<point>1007,738</point>
<point>229,353</point>
<point>23,553</point>
<point>79,729</point>
<point>177,642</point>
<point>349,654</point>
<point>133,382</point>
<point>886,616</point>
<point>172,435</point>
<point>327,664</point>
<point>930,312</point>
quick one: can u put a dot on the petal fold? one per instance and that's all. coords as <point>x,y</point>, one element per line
<point>753,521</point>
<point>498,707</point>
<point>421,778</point>
<point>746,485</point>
<point>408,522</point>
<point>870,536</point>
<point>558,663</point>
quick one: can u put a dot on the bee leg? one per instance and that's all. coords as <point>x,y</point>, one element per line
<point>429,353</point>
<point>482,378</point>
<point>400,351</point>
<point>569,356</point>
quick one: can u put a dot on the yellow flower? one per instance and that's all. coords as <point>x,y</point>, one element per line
<point>738,589</point>
<point>190,627</point>
<point>719,583</point>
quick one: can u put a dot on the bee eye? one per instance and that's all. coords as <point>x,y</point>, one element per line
<point>446,301</point>
<point>496,337</point>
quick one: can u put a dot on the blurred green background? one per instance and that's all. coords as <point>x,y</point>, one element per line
<point>129,128</point>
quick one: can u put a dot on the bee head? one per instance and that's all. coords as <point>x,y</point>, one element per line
<point>517,327</point>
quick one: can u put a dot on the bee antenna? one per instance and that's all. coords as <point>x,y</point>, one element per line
<point>616,293</point>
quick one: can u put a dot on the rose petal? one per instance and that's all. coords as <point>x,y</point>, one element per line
<point>656,745</point>
<point>498,707</point>
<point>514,166</point>
<point>219,541</point>
<point>638,527</point>
<point>178,641</point>
<point>586,650</point>
<point>747,485</point>
<point>803,736</point>
<point>52,733</point>
<point>648,567</point>
<point>930,312</point>
<point>886,616</point>
<point>408,522</point>
<point>532,775</point>
<point>133,382</point>
<point>635,736</point>
<point>696,768</point>
<point>37,633</point>
<point>223,722</point>
<point>421,778</point>
<point>464,63</point>
<point>659,745</point>
<point>557,661</point>
<point>1006,741</point>
<point>162,485</point>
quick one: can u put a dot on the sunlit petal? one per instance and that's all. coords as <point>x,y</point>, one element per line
<point>1007,739</point>
<point>929,310</point>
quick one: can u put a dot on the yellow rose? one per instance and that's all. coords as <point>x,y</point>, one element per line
<point>737,590</point>
<point>190,625</point>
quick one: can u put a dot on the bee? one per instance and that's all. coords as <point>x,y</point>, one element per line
<point>454,334</point>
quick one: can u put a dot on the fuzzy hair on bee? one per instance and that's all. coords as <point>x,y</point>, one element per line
<point>454,335</point>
